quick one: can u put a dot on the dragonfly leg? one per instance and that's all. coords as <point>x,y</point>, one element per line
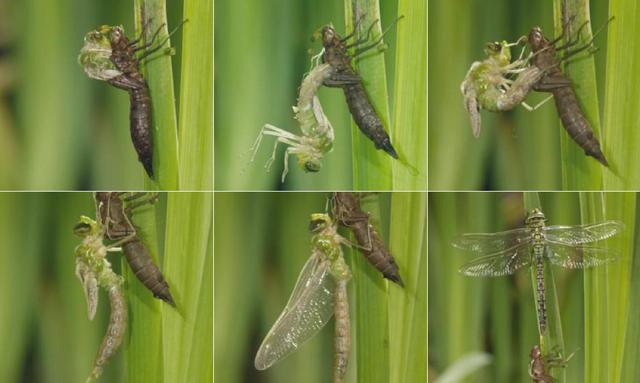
<point>532,108</point>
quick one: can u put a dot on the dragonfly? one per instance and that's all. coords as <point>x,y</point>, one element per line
<point>320,293</point>
<point>93,269</point>
<point>506,252</point>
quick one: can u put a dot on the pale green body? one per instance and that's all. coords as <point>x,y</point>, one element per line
<point>95,55</point>
<point>487,84</point>
<point>317,133</point>
<point>319,294</point>
<point>93,269</point>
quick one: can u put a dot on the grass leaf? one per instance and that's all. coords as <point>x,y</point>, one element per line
<point>159,77</point>
<point>196,97</point>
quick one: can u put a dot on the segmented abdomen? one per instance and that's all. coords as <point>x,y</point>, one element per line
<point>141,129</point>
<point>366,118</point>
<point>146,271</point>
<point>576,124</point>
<point>347,211</point>
<point>542,309</point>
<point>309,113</point>
<point>374,249</point>
<point>115,331</point>
<point>341,358</point>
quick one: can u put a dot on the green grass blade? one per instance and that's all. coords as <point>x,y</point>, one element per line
<point>580,172</point>
<point>621,92</point>
<point>196,97</point>
<point>630,367</point>
<point>408,305</point>
<point>371,167</point>
<point>145,320</point>
<point>159,76</point>
<point>371,316</point>
<point>607,288</point>
<point>186,340</point>
<point>409,135</point>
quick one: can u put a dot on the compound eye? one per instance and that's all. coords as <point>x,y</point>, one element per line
<point>82,228</point>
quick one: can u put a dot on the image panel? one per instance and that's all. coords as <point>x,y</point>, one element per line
<point>297,295</point>
<point>106,287</point>
<point>122,97</point>
<point>531,96</point>
<point>533,287</point>
<point>354,73</point>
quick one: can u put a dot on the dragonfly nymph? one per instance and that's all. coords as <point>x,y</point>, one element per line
<point>319,294</point>
<point>566,246</point>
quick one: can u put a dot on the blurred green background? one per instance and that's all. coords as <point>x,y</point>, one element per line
<point>262,54</point>
<point>517,150</point>
<point>598,308</point>
<point>45,333</point>
<point>262,242</point>
<point>59,129</point>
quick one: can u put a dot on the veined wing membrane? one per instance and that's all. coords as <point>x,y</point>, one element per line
<point>492,243</point>
<point>578,257</point>
<point>576,235</point>
<point>309,308</point>
<point>498,264</point>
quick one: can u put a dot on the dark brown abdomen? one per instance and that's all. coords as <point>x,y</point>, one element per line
<point>576,124</point>
<point>146,271</point>
<point>141,129</point>
<point>366,118</point>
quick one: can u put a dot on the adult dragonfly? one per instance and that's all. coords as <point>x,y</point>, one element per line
<point>566,246</point>
<point>319,294</point>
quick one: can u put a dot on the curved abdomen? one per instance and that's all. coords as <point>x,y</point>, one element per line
<point>366,118</point>
<point>146,271</point>
<point>342,332</point>
<point>576,124</point>
<point>140,124</point>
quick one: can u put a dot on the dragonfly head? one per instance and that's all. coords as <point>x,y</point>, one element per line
<point>85,227</point>
<point>536,39</point>
<point>499,51</point>
<point>535,216</point>
<point>95,55</point>
<point>535,352</point>
<point>319,222</point>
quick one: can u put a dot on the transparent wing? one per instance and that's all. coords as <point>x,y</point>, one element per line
<point>578,257</point>
<point>309,308</point>
<point>492,243</point>
<point>500,263</point>
<point>575,235</point>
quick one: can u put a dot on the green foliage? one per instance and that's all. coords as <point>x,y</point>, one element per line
<point>79,137</point>
<point>594,307</point>
<point>259,83</point>
<point>518,150</point>
<point>388,341</point>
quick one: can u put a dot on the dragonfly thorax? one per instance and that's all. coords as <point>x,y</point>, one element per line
<point>535,219</point>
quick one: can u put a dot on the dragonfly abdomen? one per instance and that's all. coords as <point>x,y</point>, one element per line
<point>140,125</point>
<point>542,310</point>
<point>341,332</point>
<point>146,271</point>
<point>115,331</point>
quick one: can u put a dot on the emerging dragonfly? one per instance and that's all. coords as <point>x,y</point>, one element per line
<point>490,83</point>
<point>93,269</point>
<point>320,292</point>
<point>567,246</point>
